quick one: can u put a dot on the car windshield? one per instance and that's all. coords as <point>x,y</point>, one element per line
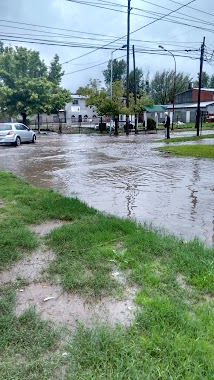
<point>5,127</point>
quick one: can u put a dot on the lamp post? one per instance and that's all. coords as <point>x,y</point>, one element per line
<point>111,80</point>
<point>174,85</point>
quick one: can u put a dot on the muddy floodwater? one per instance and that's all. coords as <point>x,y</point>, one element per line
<point>123,176</point>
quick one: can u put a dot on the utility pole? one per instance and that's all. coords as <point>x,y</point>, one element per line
<point>135,90</point>
<point>127,73</point>
<point>198,114</point>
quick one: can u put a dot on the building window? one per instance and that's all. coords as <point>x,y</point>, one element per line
<point>75,102</point>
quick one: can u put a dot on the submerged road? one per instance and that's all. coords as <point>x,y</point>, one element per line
<point>123,176</point>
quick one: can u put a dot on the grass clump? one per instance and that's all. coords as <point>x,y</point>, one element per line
<point>23,204</point>
<point>164,344</point>
<point>198,151</point>
<point>85,258</point>
<point>187,138</point>
<point>27,345</point>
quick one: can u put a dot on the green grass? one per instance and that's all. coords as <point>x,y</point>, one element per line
<point>23,205</point>
<point>187,138</point>
<point>198,151</point>
<point>28,346</point>
<point>192,126</point>
<point>173,332</point>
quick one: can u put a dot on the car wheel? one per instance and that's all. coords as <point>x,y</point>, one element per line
<point>33,139</point>
<point>18,141</point>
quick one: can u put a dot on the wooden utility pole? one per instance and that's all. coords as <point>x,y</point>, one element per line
<point>127,73</point>
<point>135,90</point>
<point>198,114</point>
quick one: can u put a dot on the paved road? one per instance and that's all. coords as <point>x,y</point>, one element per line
<point>123,176</point>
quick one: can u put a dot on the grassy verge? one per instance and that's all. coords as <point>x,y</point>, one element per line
<point>172,336</point>
<point>28,346</point>
<point>198,151</point>
<point>192,126</point>
<point>187,138</point>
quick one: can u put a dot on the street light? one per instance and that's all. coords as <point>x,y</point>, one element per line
<point>174,87</point>
<point>111,80</point>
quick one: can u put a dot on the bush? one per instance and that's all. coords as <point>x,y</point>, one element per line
<point>151,123</point>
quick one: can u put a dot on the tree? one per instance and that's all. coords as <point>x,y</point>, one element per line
<point>140,83</point>
<point>143,100</point>
<point>100,97</point>
<point>55,72</point>
<point>205,80</point>
<point>58,100</point>
<point>118,71</point>
<point>212,81</point>
<point>162,85</point>
<point>27,85</point>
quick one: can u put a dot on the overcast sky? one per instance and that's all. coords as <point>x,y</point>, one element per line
<point>89,19</point>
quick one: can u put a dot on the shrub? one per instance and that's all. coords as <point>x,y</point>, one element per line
<point>151,123</point>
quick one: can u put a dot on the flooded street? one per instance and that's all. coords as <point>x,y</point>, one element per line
<point>123,176</point>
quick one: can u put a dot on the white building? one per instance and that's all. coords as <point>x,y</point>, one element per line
<point>78,110</point>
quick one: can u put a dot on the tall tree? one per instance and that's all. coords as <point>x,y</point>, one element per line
<point>118,71</point>
<point>205,80</point>
<point>162,85</point>
<point>140,83</point>
<point>212,81</point>
<point>27,85</point>
<point>55,72</point>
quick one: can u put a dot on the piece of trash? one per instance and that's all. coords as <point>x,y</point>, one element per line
<point>65,354</point>
<point>21,290</point>
<point>48,298</point>
<point>131,307</point>
<point>116,273</point>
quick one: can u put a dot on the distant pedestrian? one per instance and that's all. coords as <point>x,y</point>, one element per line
<point>167,125</point>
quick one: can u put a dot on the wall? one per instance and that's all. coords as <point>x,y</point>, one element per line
<point>184,97</point>
<point>206,95</point>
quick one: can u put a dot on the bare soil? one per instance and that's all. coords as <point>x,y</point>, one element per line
<point>56,305</point>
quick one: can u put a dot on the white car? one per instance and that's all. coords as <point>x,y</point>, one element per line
<point>15,134</point>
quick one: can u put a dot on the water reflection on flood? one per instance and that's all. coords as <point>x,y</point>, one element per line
<point>123,176</point>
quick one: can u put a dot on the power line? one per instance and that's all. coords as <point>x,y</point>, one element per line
<point>79,37</point>
<point>118,39</point>
<point>157,52</point>
<point>184,16</point>
<point>195,9</point>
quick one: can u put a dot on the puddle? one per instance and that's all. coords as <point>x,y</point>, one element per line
<point>174,193</point>
<point>46,227</point>
<point>30,268</point>
<point>68,308</point>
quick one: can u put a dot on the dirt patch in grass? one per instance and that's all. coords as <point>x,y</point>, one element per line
<point>2,203</point>
<point>30,268</point>
<point>53,302</point>
<point>46,227</point>
<point>67,308</point>
<point>208,297</point>
<point>182,282</point>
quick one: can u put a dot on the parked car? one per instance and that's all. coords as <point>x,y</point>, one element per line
<point>15,134</point>
<point>209,119</point>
